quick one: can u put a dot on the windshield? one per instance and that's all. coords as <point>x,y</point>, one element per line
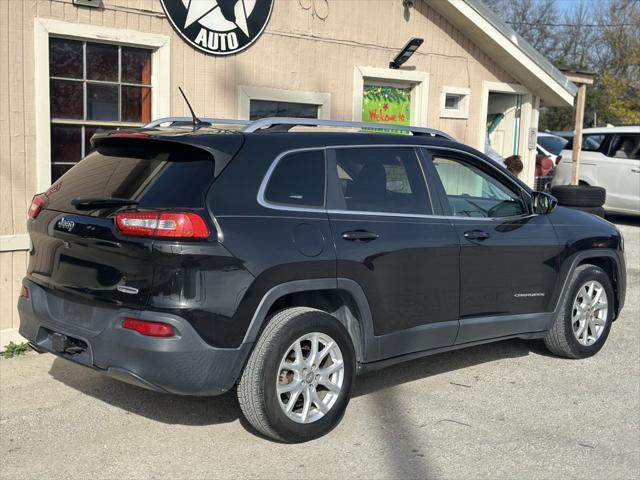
<point>552,144</point>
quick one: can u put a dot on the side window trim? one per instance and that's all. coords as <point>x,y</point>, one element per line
<point>440,205</point>
<point>262,201</point>
<point>479,163</point>
<point>335,201</point>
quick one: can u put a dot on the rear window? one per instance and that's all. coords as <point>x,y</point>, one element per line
<point>171,176</point>
<point>552,144</point>
<point>298,180</point>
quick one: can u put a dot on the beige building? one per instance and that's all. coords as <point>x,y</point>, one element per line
<point>68,70</point>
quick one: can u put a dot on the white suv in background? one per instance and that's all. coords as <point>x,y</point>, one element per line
<point>610,159</point>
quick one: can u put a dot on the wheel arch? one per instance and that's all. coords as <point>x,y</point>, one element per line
<point>607,260</point>
<point>610,267</point>
<point>343,299</point>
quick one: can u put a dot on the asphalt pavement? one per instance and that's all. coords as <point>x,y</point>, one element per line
<point>505,410</point>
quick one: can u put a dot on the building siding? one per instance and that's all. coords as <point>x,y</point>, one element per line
<point>297,51</point>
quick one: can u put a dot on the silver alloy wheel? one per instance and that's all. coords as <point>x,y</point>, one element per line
<point>310,377</point>
<point>589,314</point>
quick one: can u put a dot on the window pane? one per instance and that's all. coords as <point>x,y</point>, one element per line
<point>384,104</point>
<point>65,58</point>
<point>58,170</point>
<point>473,193</point>
<point>158,176</point>
<point>66,143</point>
<point>385,180</point>
<point>102,102</point>
<point>102,62</point>
<point>552,144</point>
<point>264,108</point>
<point>452,101</point>
<point>626,146</point>
<point>298,180</point>
<point>90,131</point>
<point>136,65</point>
<point>591,143</point>
<point>66,99</point>
<point>136,104</point>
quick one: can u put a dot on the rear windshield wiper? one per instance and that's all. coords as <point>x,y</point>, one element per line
<point>86,203</point>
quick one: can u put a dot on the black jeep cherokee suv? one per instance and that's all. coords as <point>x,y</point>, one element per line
<point>190,261</point>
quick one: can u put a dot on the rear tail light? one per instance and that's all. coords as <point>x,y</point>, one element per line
<point>162,224</point>
<point>147,328</point>
<point>558,158</point>
<point>37,204</point>
<point>24,292</point>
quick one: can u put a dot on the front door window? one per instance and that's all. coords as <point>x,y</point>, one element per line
<point>473,193</point>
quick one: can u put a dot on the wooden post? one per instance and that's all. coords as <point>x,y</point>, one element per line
<point>577,136</point>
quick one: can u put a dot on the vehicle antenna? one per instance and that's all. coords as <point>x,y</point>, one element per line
<point>197,123</point>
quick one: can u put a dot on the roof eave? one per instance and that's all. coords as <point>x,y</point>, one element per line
<point>512,52</point>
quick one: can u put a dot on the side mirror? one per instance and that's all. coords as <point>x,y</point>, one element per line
<point>543,203</point>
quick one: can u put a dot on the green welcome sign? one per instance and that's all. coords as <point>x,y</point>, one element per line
<point>390,105</point>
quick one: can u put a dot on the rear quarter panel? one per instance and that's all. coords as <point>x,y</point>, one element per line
<point>275,246</point>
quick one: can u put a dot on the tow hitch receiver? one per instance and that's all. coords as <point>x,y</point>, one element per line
<point>62,344</point>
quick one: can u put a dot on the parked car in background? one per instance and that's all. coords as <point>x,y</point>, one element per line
<point>548,155</point>
<point>551,145</point>
<point>610,159</point>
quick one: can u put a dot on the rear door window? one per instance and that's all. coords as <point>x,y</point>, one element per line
<point>382,179</point>
<point>298,180</point>
<point>170,176</point>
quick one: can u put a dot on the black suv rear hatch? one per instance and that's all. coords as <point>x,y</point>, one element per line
<point>77,247</point>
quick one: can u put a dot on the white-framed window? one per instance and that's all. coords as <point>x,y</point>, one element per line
<point>262,102</point>
<point>372,84</point>
<point>454,102</point>
<point>91,78</point>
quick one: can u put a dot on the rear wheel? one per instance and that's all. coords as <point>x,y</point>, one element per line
<point>584,321</point>
<point>297,382</point>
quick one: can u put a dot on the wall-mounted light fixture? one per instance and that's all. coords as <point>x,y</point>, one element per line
<point>88,3</point>
<point>408,50</point>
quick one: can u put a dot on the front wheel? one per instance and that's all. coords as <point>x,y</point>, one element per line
<point>297,382</point>
<point>584,320</point>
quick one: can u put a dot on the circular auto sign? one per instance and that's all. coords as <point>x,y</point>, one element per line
<point>219,27</point>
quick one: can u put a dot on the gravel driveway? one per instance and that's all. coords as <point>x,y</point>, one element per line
<point>504,410</point>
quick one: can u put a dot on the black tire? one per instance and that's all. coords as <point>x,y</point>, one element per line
<point>598,211</point>
<point>560,339</point>
<point>579,195</point>
<point>257,388</point>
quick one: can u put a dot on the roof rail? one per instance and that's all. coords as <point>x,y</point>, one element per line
<point>186,121</point>
<point>287,123</point>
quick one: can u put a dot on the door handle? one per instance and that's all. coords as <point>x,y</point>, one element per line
<point>359,235</point>
<point>476,235</point>
<point>635,170</point>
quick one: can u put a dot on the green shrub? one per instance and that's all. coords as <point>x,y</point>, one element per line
<point>15,349</point>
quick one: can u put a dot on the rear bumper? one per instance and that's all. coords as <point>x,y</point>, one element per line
<point>183,364</point>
